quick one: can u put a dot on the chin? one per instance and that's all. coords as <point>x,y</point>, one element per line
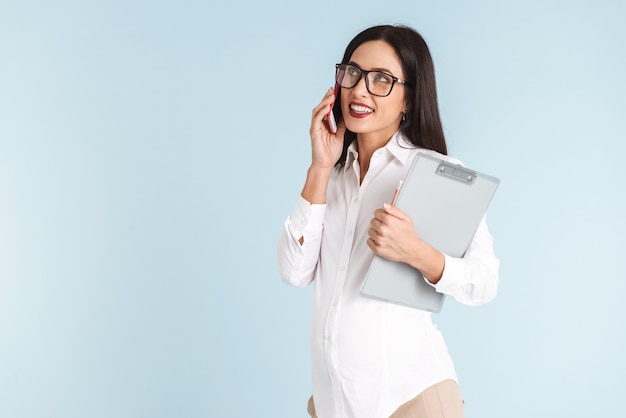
<point>357,127</point>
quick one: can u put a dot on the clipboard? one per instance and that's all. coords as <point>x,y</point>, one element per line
<point>446,202</point>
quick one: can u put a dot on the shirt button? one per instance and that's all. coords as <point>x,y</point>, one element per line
<point>342,268</point>
<point>356,200</point>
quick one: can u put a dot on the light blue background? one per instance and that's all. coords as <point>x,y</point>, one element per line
<point>150,151</point>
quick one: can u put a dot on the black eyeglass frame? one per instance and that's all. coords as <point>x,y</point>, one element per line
<point>364,73</point>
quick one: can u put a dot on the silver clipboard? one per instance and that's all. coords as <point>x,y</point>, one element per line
<point>446,202</point>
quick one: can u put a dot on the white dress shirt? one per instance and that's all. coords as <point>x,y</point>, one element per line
<point>369,357</point>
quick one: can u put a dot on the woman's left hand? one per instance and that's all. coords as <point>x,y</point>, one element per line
<point>392,236</point>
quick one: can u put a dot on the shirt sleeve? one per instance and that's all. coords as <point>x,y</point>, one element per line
<point>472,279</point>
<point>297,262</point>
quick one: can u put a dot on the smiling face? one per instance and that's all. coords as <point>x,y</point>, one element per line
<point>372,117</point>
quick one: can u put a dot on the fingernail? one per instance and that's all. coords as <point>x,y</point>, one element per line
<point>386,205</point>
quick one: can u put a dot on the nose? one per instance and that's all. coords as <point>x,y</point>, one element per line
<point>361,86</point>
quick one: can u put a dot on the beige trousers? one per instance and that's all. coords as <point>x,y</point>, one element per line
<point>442,400</point>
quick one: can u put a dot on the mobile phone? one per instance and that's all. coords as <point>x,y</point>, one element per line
<point>330,116</point>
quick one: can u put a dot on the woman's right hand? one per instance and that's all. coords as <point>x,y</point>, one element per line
<point>326,150</point>
<point>326,147</point>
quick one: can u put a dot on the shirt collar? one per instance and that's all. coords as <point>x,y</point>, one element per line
<point>351,156</point>
<point>398,146</point>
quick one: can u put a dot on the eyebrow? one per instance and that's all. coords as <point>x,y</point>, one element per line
<point>384,70</point>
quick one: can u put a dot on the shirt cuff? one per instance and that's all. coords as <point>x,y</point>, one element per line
<point>453,275</point>
<point>306,217</point>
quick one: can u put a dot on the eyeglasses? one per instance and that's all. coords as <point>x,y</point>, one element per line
<point>377,83</point>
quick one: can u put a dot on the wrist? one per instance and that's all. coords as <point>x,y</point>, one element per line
<point>429,261</point>
<point>314,190</point>
<point>319,171</point>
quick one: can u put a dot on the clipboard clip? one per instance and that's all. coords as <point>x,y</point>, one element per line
<point>456,172</point>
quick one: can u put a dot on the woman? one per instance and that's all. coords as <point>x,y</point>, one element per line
<point>371,358</point>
